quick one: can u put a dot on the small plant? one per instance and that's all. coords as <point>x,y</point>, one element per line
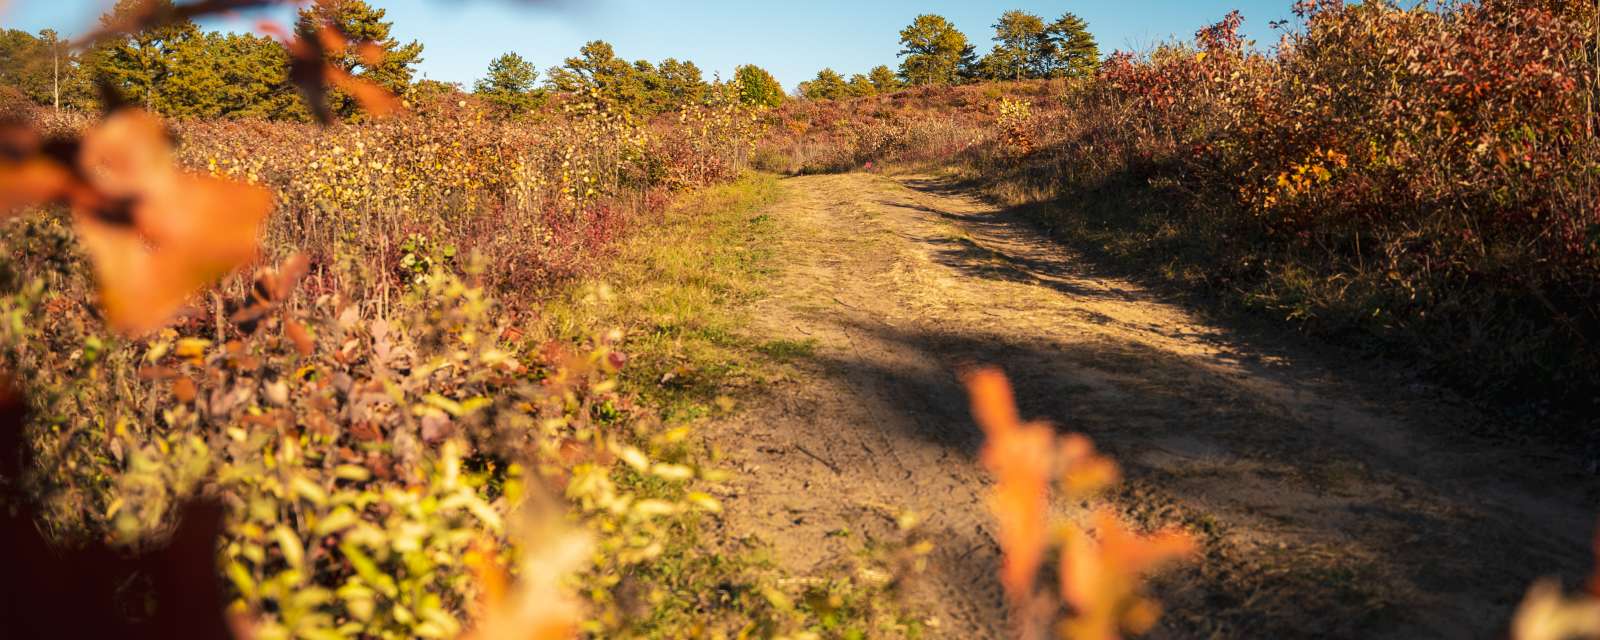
<point>418,258</point>
<point>1014,123</point>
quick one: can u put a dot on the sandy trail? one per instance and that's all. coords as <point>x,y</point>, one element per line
<point>1335,499</point>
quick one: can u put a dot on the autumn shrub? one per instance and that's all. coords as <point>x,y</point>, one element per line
<point>378,459</point>
<point>542,200</point>
<point>922,126</point>
<point>1422,174</point>
<point>360,450</point>
<point>15,105</point>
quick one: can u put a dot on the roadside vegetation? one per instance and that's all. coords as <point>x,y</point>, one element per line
<point>412,406</point>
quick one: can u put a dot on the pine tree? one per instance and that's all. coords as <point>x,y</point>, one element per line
<point>1070,50</point>
<point>255,78</point>
<point>883,79</point>
<point>511,84</point>
<point>212,75</point>
<point>860,86</point>
<point>597,70</point>
<point>360,22</point>
<point>935,52</point>
<point>680,84</point>
<point>1019,50</point>
<point>828,85</point>
<point>193,86</point>
<point>757,87</point>
<point>136,65</point>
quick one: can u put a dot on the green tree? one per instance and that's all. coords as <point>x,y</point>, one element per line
<point>1069,50</point>
<point>43,68</point>
<point>650,88</point>
<point>360,22</point>
<point>883,79</point>
<point>860,85</point>
<point>193,86</point>
<point>511,84</point>
<point>230,75</point>
<point>597,70</point>
<point>935,52</point>
<point>255,77</point>
<point>1020,48</point>
<point>678,84</point>
<point>427,92</point>
<point>136,65</point>
<point>757,87</point>
<point>828,85</point>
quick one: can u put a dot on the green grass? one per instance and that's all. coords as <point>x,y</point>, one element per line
<point>678,290</point>
<point>785,350</point>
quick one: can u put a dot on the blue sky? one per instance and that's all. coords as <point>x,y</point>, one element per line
<point>793,39</point>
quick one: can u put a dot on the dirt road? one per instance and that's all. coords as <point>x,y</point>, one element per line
<point>1334,498</point>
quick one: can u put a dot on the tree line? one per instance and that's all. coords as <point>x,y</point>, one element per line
<point>934,52</point>
<point>179,70</point>
<point>598,73</point>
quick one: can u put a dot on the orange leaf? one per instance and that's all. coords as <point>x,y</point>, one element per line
<point>184,390</point>
<point>182,239</point>
<point>128,155</point>
<point>1019,456</point>
<point>1100,580</point>
<point>303,343</point>
<point>31,182</point>
<point>375,100</point>
<point>140,288</point>
<point>993,405</point>
<point>370,54</point>
<point>1084,472</point>
<point>330,39</point>
<point>483,559</point>
<point>538,607</point>
<point>214,222</point>
<point>288,275</point>
<point>185,230</point>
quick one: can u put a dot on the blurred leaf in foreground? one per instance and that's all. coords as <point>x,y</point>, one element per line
<point>539,606</point>
<point>1102,566</point>
<point>155,235</point>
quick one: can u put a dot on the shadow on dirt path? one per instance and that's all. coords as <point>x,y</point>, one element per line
<point>1335,500</point>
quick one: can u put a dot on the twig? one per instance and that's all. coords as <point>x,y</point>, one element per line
<point>831,466</point>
